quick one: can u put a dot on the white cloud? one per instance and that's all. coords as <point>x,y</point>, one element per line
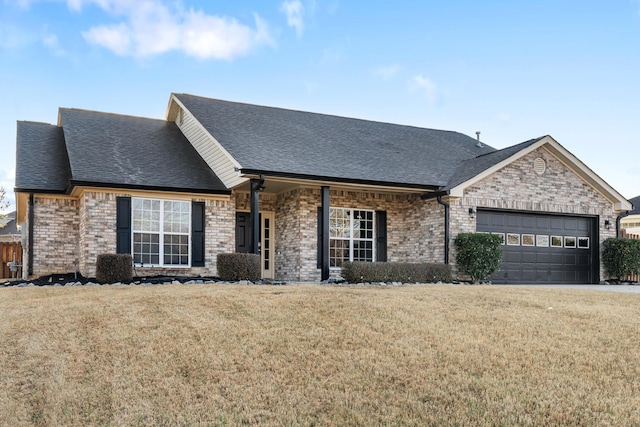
<point>295,12</point>
<point>51,42</point>
<point>150,27</point>
<point>426,86</point>
<point>387,72</point>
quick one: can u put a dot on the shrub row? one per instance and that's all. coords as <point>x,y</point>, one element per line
<point>239,266</point>
<point>478,254</point>
<point>621,257</point>
<point>359,271</point>
<point>113,268</point>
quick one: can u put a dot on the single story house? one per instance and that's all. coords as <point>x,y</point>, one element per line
<point>307,191</point>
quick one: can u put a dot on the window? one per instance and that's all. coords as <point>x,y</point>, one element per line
<point>350,236</point>
<point>161,232</point>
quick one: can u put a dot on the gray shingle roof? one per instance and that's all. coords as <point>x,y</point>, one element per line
<point>118,150</point>
<point>41,158</point>
<point>295,142</point>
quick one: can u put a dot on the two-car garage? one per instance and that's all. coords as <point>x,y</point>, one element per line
<point>543,248</point>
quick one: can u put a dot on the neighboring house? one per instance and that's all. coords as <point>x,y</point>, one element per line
<point>10,246</point>
<point>630,224</point>
<point>308,191</point>
<point>9,228</point>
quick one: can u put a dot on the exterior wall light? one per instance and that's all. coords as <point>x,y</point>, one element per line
<point>607,224</point>
<point>472,213</point>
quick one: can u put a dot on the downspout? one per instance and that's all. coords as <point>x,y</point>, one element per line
<point>446,228</point>
<point>30,240</point>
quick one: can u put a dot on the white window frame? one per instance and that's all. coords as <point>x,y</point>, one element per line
<point>351,238</point>
<point>161,233</point>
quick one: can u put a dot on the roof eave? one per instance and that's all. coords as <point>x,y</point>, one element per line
<point>329,179</point>
<point>74,184</point>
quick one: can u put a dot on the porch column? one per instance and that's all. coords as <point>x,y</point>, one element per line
<point>325,233</point>
<point>256,185</point>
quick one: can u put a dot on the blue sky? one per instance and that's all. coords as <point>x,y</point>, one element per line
<point>514,70</point>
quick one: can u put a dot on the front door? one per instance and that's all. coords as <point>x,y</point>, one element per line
<point>243,239</point>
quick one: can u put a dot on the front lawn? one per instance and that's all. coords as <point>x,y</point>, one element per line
<point>323,355</point>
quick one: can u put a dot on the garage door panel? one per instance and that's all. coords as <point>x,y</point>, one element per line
<point>556,276</point>
<point>556,224</point>
<point>511,256</point>
<point>513,221</point>
<point>543,258</point>
<point>542,222</point>
<point>529,257</point>
<point>570,224</point>
<point>556,258</point>
<point>570,259</point>
<point>545,248</point>
<point>529,275</point>
<point>528,222</point>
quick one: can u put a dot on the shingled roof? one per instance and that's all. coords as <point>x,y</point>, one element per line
<point>102,149</point>
<point>276,140</point>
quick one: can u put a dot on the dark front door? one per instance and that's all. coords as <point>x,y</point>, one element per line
<point>243,232</point>
<point>543,248</point>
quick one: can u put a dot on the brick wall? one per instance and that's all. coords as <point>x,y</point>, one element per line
<point>69,231</point>
<point>415,228</point>
<point>55,236</point>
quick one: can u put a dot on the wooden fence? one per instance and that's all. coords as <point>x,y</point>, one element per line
<point>633,277</point>
<point>10,251</point>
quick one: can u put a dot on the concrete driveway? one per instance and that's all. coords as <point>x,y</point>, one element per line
<point>631,289</point>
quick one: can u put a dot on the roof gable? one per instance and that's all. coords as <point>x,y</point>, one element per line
<point>280,141</point>
<point>481,167</point>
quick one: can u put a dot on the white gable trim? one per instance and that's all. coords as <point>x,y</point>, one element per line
<point>564,156</point>
<point>221,162</point>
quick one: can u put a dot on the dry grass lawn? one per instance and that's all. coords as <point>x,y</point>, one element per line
<point>318,355</point>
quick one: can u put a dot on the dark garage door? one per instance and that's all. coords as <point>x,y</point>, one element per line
<point>541,248</point>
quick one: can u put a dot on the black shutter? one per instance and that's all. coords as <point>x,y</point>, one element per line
<point>381,236</point>
<point>319,237</point>
<point>197,234</point>
<point>123,225</point>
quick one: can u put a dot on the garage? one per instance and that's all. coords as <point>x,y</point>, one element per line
<point>543,248</point>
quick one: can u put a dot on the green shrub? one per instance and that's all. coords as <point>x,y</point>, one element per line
<point>479,254</point>
<point>239,266</point>
<point>359,271</point>
<point>621,257</point>
<point>112,268</point>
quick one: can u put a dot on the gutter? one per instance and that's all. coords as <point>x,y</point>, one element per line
<point>30,244</point>
<point>446,228</point>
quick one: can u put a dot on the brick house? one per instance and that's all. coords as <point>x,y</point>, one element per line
<point>307,191</point>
